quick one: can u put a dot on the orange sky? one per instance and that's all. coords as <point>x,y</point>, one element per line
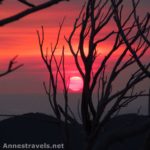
<point>22,91</point>
<point>20,38</point>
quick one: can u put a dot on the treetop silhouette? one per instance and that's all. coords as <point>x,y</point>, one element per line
<point>94,17</point>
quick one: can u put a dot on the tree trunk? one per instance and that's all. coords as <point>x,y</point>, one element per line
<point>89,144</point>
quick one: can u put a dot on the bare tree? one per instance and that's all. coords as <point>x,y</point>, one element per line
<point>94,17</point>
<point>32,8</point>
<point>55,77</point>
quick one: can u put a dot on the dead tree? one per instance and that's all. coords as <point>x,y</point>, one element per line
<point>50,60</point>
<point>32,8</point>
<point>94,17</point>
<point>56,78</point>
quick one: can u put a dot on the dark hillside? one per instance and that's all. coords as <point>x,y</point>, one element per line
<point>40,128</point>
<point>36,128</point>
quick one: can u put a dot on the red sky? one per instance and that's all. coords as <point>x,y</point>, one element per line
<point>20,38</point>
<point>22,91</point>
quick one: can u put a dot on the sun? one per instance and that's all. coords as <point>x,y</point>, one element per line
<point>75,83</point>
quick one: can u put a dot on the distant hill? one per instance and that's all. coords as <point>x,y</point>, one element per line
<point>127,132</point>
<point>36,128</point>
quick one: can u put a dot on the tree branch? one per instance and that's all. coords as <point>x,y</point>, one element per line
<point>25,2</point>
<point>29,11</point>
<point>117,20</point>
<point>11,67</point>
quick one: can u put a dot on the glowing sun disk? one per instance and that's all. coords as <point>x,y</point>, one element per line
<point>75,83</point>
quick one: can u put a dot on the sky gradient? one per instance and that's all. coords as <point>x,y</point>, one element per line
<point>20,38</point>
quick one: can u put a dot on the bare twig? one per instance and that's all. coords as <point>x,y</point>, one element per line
<point>11,67</point>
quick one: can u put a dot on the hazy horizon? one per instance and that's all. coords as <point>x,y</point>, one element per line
<point>22,91</point>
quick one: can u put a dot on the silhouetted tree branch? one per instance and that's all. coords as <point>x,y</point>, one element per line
<point>95,16</point>
<point>11,67</point>
<point>32,8</point>
<point>51,61</point>
<point>56,78</point>
<point>140,32</point>
<point>27,3</point>
<point>1,1</point>
<point>92,20</point>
